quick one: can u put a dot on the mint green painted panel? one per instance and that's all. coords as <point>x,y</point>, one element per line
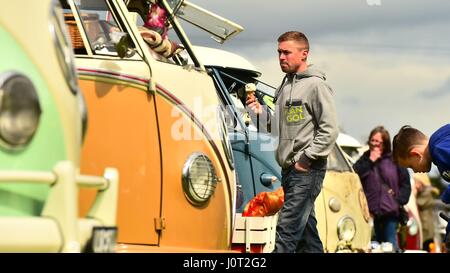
<point>47,146</point>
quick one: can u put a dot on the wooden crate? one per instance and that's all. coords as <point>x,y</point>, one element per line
<point>254,234</point>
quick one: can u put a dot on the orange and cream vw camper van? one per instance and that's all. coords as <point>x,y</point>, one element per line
<point>157,119</point>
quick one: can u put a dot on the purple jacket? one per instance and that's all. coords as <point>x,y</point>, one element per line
<point>380,176</point>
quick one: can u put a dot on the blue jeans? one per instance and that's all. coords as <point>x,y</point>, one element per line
<point>297,224</point>
<point>386,230</point>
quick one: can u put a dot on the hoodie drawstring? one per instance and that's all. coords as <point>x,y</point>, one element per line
<point>290,92</point>
<point>277,93</point>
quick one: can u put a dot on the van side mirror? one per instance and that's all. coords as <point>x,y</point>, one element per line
<point>268,179</point>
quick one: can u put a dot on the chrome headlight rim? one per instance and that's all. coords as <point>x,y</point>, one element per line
<point>6,78</point>
<point>63,46</point>
<point>342,229</point>
<point>189,189</point>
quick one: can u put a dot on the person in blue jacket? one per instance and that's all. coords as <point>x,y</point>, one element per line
<point>413,149</point>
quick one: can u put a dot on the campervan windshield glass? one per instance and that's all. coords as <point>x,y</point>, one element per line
<point>234,85</point>
<point>337,162</point>
<point>100,26</point>
<point>265,88</point>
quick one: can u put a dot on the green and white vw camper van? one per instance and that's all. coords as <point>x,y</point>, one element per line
<point>42,119</point>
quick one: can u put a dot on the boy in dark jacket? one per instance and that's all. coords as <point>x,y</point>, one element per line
<point>412,149</point>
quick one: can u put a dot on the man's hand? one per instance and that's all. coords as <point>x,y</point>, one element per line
<point>300,168</point>
<point>253,104</point>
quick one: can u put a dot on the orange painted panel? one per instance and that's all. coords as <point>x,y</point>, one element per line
<point>189,226</point>
<point>122,133</point>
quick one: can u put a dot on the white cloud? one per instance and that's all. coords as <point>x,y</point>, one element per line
<point>382,89</point>
<point>388,64</point>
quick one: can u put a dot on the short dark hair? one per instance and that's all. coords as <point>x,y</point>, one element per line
<point>404,140</point>
<point>294,36</point>
<point>384,135</point>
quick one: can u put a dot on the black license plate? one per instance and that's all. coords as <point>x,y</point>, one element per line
<point>103,240</point>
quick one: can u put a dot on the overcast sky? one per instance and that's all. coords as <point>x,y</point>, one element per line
<point>387,61</point>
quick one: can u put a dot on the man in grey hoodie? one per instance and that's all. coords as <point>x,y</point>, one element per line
<point>307,129</point>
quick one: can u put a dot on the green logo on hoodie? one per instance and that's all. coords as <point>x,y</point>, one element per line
<point>294,114</point>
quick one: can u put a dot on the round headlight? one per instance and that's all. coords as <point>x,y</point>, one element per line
<point>346,229</point>
<point>199,179</point>
<point>19,109</point>
<point>334,205</point>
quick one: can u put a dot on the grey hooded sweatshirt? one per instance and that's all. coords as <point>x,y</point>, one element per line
<point>307,119</point>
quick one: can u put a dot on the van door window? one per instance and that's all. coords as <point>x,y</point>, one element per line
<point>100,26</point>
<point>72,29</point>
<point>158,23</point>
<point>235,88</point>
<point>234,85</point>
<point>161,39</point>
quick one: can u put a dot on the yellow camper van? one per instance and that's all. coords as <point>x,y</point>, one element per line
<point>157,119</point>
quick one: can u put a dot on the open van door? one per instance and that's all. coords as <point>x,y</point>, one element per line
<point>222,29</point>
